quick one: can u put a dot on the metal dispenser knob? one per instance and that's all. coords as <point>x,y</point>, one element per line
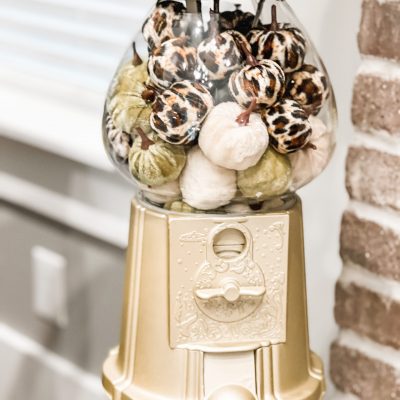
<point>231,291</point>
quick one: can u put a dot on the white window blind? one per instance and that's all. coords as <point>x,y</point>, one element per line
<point>57,58</point>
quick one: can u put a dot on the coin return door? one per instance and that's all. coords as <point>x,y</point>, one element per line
<point>228,283</point>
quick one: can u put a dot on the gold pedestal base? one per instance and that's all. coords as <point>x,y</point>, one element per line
<point>186,299</point>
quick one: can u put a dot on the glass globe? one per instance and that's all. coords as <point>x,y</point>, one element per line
<point>217,107</point>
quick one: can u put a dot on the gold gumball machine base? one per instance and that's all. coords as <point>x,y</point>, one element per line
<point>215,308</point>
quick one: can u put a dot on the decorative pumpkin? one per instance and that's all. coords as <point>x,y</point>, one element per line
<point>128,107</point>
<point>162,194</point>
<point>164,23</point>
<point>288,126</point>
<point>219,55</point>
<point>311,161</point>
<point>154,162</point>
<point>179,206</point>
<point>119,140</point>
<point>283,44</point>
<point>229,144</point>
<point>174,61</point>
<point>179,111</point>
<point>309,87</point>
<point>204,185</point>
<point>270,177</point>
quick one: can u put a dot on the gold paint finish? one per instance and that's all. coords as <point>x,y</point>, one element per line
<point>261,279</point>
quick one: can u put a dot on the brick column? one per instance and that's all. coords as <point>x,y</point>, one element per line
<point>365,359</point>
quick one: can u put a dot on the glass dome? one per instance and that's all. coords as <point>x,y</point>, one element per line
<point>220,107</point>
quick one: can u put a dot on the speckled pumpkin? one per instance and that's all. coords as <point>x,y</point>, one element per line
<point>164,23</point>
<point>309,87</point>
<point>288,126</point>
<point>120,141</point>
<point>172,62</point>
<point>179,111</point>
<point>220,54</point>
<point>154,162</point>
<point>264,82</point>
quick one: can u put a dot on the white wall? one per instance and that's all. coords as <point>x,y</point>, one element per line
<point>333,26</point>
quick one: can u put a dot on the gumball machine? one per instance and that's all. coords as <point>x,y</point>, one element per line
<point>217,114</point>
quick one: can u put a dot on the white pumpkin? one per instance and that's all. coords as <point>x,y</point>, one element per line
<point>231,145</point>
<point>204,185</point>
<point>309,162</point>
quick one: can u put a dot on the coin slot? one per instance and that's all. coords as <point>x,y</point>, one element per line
<point>229,244</point>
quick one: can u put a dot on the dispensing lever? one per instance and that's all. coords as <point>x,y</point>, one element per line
<point>231,291</point>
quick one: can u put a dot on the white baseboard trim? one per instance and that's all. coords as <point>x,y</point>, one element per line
<point>65,210</point>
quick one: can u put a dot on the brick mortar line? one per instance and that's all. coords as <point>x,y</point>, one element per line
<point>379,140</point>
<point>387,1</point>
<point>384,354</point>
<point>383,217</point>
<point>383,68</point>
<point>353,274</point>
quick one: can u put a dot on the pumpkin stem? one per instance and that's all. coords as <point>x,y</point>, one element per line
<point>311,146</point>
<point>216,6</point>
<point>250,59</point>
<point>198,6</point>
<point>244,118</point>
<point>274,19</point>
<point>260,8</point>
<point>146,142</point>
<point>136,61</point>
<point>149,95</point>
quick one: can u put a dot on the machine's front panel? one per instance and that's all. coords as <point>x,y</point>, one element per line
<point>228,282</point>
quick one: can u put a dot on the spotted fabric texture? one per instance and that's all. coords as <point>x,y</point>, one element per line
<point>309,87</point>
<point>264,82</point>
<point>179,111</point>
<point>287,47</point>
<point>119,140</point>
<point>172,62</point>
<point>238,20</point>
<point>220,55</point>
<point>288,126</point>
<point>164,23</point>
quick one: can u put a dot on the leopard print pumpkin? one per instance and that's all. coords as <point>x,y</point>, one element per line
<point>287,47</point>
<point>179,111</point>
<point>288,126</point>
<point>220,55</point>
<point>172,62</point>
<point>163,23</point>
<point>264,82</point>
<point>309,87</point>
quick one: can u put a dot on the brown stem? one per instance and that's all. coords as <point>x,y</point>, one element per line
<point>136,61</point>
<point>250,59</point>
<point>146,142</point>
<point>149,95</point>
<point>311,146</point>
<point>238,6</point>
<point>198,6</point>
<point>260,8</point>
<point>244,118</point>
<point>274,19</point>
<point>216,6</point>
